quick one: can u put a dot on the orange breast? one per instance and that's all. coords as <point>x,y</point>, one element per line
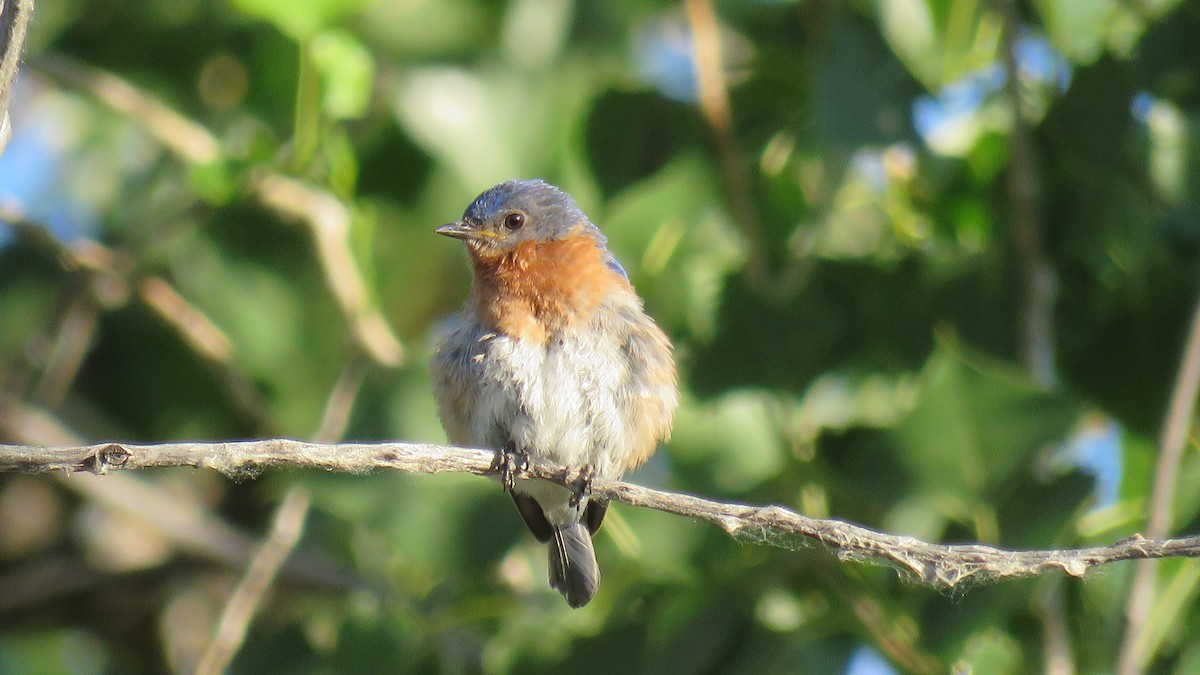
<point>539,287</point>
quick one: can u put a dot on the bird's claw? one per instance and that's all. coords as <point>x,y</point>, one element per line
<point>510,464</point>
<point>582,487</point>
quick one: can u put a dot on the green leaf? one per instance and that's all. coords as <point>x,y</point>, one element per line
<point>341,165</point>
<point>306,133</point>
<point>676,243</point>
<point>991,651</point>
<point>72,650</point>
<point>300,19</point>
<point>736,438</point>
<point>940,41</point>
<point>978,423</point>
<point>1083,31</point>
<point>347,73</point>
<point>1175,592</point>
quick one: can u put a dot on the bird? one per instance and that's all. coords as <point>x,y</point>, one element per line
<point>553,359</point>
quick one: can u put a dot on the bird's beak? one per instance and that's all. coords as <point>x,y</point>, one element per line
<point>460,229</point>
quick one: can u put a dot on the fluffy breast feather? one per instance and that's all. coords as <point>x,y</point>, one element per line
<point>555,354</point>
<point>539,288</point>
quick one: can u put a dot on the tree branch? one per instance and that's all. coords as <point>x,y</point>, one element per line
<point>243,603</point>
<point>1136,647</point>
<point>1039,283</point>
<point>713,95</point>
<point>326,216</point>
<point>14,23</point>
<point>1038,293</point>
<point>942,565</point>
<point>288,525</point>
<point>188,524</point>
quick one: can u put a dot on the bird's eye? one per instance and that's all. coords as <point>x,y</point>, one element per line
<point>514,221</point>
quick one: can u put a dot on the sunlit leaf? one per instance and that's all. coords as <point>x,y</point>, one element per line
<point>978,423</point>
<point>300,19</point>
<point>347,73</point>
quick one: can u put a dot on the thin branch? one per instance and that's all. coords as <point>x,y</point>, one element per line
<point>326,216</point>
<point>1038,282</point>
<point>180,135</point>
<point>186,523</point>
<point>199,332</point>
<point>943,565</point>
<point>72,342</point>
<point>286,529</point>
<point>1135,647</point>
<point>890,633</point>
<point>15,15</point>
<point>713,94</point>
<point>1038,290</point>
<point>243,603</point>
<point>110,275</point>
<point>1057,658</point>
<point>14,23</point>
<point>329,221</point>
<point>340,403</point>
<point>59,352</point>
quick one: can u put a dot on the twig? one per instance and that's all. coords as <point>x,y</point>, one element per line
<point>72,341</point>
<point>1038,281</point>
<point>243,603</point>
<point>197,330</point>
<point>180,135</point>
<point>1038,289</point>
<point>325,215</point>
<point>1135,648</point>
<point>14,23</point>
<point>340,403</point>
<point>184,522</point>
<point>285,532</point>
<point>329,220</point>
<point>1057,658</point>
<point>942,565</point>
<point>109,278</point>
<point>713,94</point>
<point>889,633</point>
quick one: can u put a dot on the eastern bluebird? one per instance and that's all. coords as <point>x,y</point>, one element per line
<point>553,359</point>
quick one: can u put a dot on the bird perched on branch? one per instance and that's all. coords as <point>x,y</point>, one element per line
<point>553,359</point>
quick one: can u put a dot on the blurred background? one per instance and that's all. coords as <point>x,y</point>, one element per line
<point>928,265</point>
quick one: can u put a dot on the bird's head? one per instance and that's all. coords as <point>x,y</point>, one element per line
<point>519,211</point>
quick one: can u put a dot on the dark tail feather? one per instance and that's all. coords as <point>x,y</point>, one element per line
<point>573,568</point>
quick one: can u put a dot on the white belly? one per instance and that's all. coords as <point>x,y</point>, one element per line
<point>562,402</point>
<point>595,396</point>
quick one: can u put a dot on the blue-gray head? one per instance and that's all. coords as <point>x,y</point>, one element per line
<point>517,211</point>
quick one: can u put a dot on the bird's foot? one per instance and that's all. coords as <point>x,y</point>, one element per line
<point>582,486</point>
<point>511,464</point>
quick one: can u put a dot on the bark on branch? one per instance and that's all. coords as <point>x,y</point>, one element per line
<point>14,23</point>
<point>943,565</point>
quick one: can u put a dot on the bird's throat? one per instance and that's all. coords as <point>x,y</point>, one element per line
<point>538,288</point>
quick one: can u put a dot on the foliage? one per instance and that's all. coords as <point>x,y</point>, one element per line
<point>851,346</point>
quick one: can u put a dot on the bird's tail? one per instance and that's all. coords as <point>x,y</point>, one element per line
<point>573,568</point>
